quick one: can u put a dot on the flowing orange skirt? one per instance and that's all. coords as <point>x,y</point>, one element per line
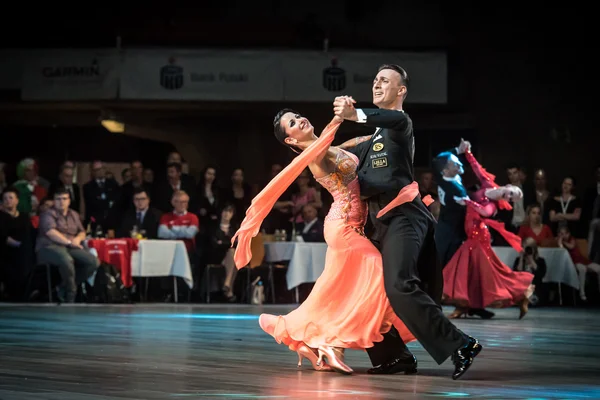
<point>348,306</point>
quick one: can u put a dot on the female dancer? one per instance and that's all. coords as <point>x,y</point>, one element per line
<point>348,307</point>
<point>475,277</point>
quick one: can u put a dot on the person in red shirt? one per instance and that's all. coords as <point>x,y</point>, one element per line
<point>534,228</point>
<point>583,265</point>
<point>180,224</point>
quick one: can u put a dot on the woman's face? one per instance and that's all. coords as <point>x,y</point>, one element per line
<point>567,185</point>
<point>227,214</point>
<point>297,128</point>
<point>535,215</point>
<point>237,176</point>
<point>210,175</point>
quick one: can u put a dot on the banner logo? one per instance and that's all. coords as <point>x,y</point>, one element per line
<point>171,76</point>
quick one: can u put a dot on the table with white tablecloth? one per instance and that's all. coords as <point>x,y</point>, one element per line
<point>560,267</point>
<point>306,260</point>
<point>162,258</point>
<point>153,258</point>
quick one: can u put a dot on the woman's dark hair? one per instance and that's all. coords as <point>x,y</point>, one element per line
<point>202,181</point>
<point>279,130</point>
<point>229,206</point>
<point>572,180</point>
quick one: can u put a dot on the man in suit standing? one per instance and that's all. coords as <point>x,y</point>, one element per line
<point>101,196</point>
<point>144,218</point>
<point>163,192</point>
<point>450,231</point>
<point>405,235</point>
<point>65,181</point>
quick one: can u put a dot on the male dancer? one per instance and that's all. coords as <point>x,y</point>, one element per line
<point>405,234</point>
<point>450,231</point>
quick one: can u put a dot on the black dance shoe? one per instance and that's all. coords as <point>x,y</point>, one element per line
<point>480,312</point>
<point>463,357</point>
<point>408,365</point>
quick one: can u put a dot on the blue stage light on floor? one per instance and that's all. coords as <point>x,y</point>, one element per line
<point>246,317</point>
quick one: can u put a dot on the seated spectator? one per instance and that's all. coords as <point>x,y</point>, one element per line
<point>143,219</point>
<point>221,251</point>
<point>534,228</point>
<point>583,265</point>
<point>530,261</point>
<point>304,194</point>
<point>180,225</point>
<point>59,243</point>
<point>312,229</point>
<point>16,246</point>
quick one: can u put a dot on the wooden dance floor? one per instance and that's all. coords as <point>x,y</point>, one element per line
<point>219,352</point>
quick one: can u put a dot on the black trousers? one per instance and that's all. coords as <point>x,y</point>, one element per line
<point>448,240</point>
<point>414,283</point>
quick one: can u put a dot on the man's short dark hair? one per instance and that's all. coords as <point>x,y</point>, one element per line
<point>60,191</point>
<point>441,161</point>
<point>10,189</point>
<point>175,165</point>
<point>140,190</point>
<point>401,71</point>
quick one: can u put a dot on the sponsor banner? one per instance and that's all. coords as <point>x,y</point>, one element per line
<point>71,75</point>
<point>201,75</point>
<point>322,76</point>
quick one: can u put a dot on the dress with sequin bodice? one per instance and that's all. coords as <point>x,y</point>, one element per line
<point>475,225</point>
<point>345,190</point>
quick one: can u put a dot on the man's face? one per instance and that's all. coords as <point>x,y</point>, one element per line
<point>62,201</point>
<point>453,167</point>
<point>98,171</point>
<point>180,203</point>
<point>309,213</point>
<point>30,174</point>
<point>10,201</point>
<point>136,170</point>
<point>141,201</point>
<point>387,88</point>
<point>66,177</point>
<point>514,176</point>
<point>173,174</point>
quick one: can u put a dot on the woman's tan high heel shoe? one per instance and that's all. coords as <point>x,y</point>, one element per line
<point>524,304</point>
<point>457,313</point>
<point>306,352</point>
<point>335,359</point>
